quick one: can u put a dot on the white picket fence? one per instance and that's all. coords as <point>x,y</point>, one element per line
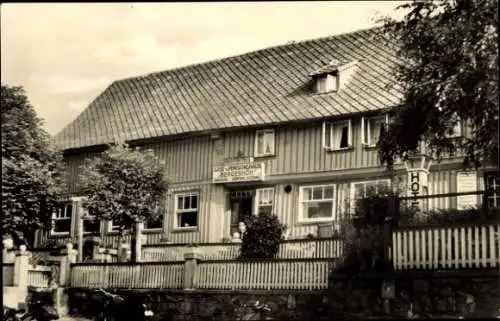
<point>473,246</point>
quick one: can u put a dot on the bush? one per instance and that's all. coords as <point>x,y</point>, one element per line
<point>363,233</point>
<point>262,237</point>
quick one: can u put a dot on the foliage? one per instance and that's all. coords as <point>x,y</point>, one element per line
<point>449,70</point>
<point>32,168</point>
<point>124,185</point>
<point>411,217</point>
<point>363,234</point>
<point>262,237</point>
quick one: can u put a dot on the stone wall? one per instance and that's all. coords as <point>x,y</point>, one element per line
<point>347,298</point>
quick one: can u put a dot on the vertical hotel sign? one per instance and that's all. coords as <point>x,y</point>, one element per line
<point>418,174</point>
<point>242,171</point>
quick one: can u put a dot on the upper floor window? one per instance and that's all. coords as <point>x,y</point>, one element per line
<point>372,128</point>
<point>264,199</point>
<point>186,210</point>
<point>492,181</point>
<point>264,143</point>
<point>316,203</point>
<point>61,219</point>
<point>337,135</point>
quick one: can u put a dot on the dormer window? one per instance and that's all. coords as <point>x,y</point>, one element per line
<point>333,76</point>
<point>326,83</point>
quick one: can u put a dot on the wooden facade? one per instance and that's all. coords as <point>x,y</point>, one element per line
<point>299,160</point>
<point>248,133</point>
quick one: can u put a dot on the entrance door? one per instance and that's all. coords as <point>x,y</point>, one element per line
<point>241,207</point>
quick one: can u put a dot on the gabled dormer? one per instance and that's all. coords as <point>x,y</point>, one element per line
<point>334,76</point>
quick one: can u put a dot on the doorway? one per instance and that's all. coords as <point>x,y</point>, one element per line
<point>241,204</point>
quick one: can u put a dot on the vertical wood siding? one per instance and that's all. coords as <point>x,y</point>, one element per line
<point>299,150</point>
<point>185,160</point>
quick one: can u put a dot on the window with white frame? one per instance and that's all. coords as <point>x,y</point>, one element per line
<point>264,200</point>
<point>456,131</point>
<point>264,143</point>
<point>90,223</point>
<point>186,210</point>
<point>337,135</point>
<point>372,128</point>
<point>61,219</point>
<point>317,203</point>
<point>326,83</point>
<point>362,189</point>
<point>153,222</point>
<point>492,181</point>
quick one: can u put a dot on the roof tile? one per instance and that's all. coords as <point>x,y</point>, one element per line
<point>267,86</point>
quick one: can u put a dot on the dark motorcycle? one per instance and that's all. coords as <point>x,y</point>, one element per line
<point>118,308</point>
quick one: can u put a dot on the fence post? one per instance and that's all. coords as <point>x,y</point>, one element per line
<point>191,258</point>
<point>68,257</point>
<point>16,295</point>
<point>21,267</point>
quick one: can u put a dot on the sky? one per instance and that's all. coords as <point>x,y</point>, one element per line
<point>65,55</point>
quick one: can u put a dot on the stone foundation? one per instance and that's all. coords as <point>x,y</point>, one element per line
<point>347,298</point>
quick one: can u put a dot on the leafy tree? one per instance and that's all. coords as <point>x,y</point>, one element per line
<point>262,237</point>
<point>32,168</point>
<point>124,185</point>
<point>449,72</point>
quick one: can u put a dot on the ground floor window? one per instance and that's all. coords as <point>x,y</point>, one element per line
<point>364,188</point>
<point>264,200</point>
<point>90,223</point>
<point>61,219</point>
<point>316,203</point>
<point>186,210</point>
<point>492,184</point>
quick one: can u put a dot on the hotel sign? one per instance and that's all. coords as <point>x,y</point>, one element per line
<point>238,172</point>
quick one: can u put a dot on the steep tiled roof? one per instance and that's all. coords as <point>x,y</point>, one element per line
<point>263,87</point>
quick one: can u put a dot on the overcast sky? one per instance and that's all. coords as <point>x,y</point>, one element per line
<point>64,55</point>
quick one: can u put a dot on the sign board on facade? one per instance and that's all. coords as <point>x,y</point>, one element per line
<point>466,182</point>
<point>238,172</point>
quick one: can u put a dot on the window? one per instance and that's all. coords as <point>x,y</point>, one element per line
<point>264,199</point>
<point>326,83</point>
<point>264,143</point>
<point>337,135</point>
<point>362,189</point>
<point>61,219</point>
<point>371,129</point>
<point>492,181</point>
<point>90,223</point>
<point>316,203</point>
<point>156,221</point>
<point>153,223</point>
<point>112,227</point>
<point>186,210</point>
<point>457,128</point>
